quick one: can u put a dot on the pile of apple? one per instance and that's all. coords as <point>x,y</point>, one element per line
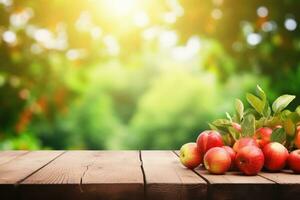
<point>258,138</point>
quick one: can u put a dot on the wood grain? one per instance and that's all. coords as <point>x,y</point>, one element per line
<point>21,166</point>
<point>88,175</point>
<point>234,185</point>
<point>18,169</point>
<point>121,175</point>
<point>6,156</point>
<point>166,178</point>
<point>8,191</point>
<point>288,183</point>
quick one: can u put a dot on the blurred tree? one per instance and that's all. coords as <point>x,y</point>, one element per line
<point>136,74</point>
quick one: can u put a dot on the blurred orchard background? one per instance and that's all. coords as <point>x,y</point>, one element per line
<point>137,74</point>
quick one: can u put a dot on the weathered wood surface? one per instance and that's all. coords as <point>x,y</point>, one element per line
<point>88,175</point>
<point>129,175</point>
<point>167,179</point>
<point>20,167</point>
<point>234,185</point>
<point>288,183</point>
<point>6,156</point>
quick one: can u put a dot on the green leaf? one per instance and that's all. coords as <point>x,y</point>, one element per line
<point>248,126</point>
<point>267,110</point>
<point>260,122</point>
<point>273,121</point>
<point>298,110</point>
<point>228,116</point>
<point>221,130</point>
<point>239,107</point>
<point>235,135</point>
<point>250,111</point>
<point>294,117</point>
<point>289,127</point>
<point>255,102</point>
<point>261,94</point>
<point>285,114</point>
<point>222,122</point>
<point>228,140</point>
<point>278,135</point>
<point>282,102</point>
<point>212,127</point>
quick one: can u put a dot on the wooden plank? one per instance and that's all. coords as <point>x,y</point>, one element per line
<point>6,156</point>
<point>234,185</point>
<point>120,173</point>
<point>166,178</point>
<point>15,170</point>
<point>88,175</point>
<point>288,183</point>
<point>7,191</point>
<point>21,167</point>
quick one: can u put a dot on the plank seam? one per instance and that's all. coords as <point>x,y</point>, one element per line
<point>277,186</point>
<point>23,179</point>
<point>267,178</point>
<point>83,174</point>
<point>279,190</point>
<point>144,175</point>
<point>209,185</point>
<point>194,171</point>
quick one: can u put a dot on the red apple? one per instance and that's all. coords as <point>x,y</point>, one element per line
<point>232,155</point>
<point>189,155</point>
<point>250,160</point>
<point>275,156</point>
<point>209,139</point>
<point>294,161</point>
<point>217,160</point>
<point>297,139</point>
<point>236,126</point>
<point>263,136</point>
<point>247,141</point>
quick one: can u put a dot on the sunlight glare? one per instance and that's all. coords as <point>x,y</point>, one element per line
<point>112,45</point>
<point>189,51</point>
<point>141,19</point>
<point>168,38</point>
<point>121,7</point>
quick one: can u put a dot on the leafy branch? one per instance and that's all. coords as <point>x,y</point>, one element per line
<point>245,122</point>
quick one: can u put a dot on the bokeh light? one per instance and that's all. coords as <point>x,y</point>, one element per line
<point>9,37</point>
<point>137,74</point>
<point>262,11</point>
<point>290,24</point>
<point>254,39</point>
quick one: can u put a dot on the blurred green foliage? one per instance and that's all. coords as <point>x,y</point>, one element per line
<point>129,74</point>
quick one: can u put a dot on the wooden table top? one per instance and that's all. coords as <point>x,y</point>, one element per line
<point>129,175</point>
